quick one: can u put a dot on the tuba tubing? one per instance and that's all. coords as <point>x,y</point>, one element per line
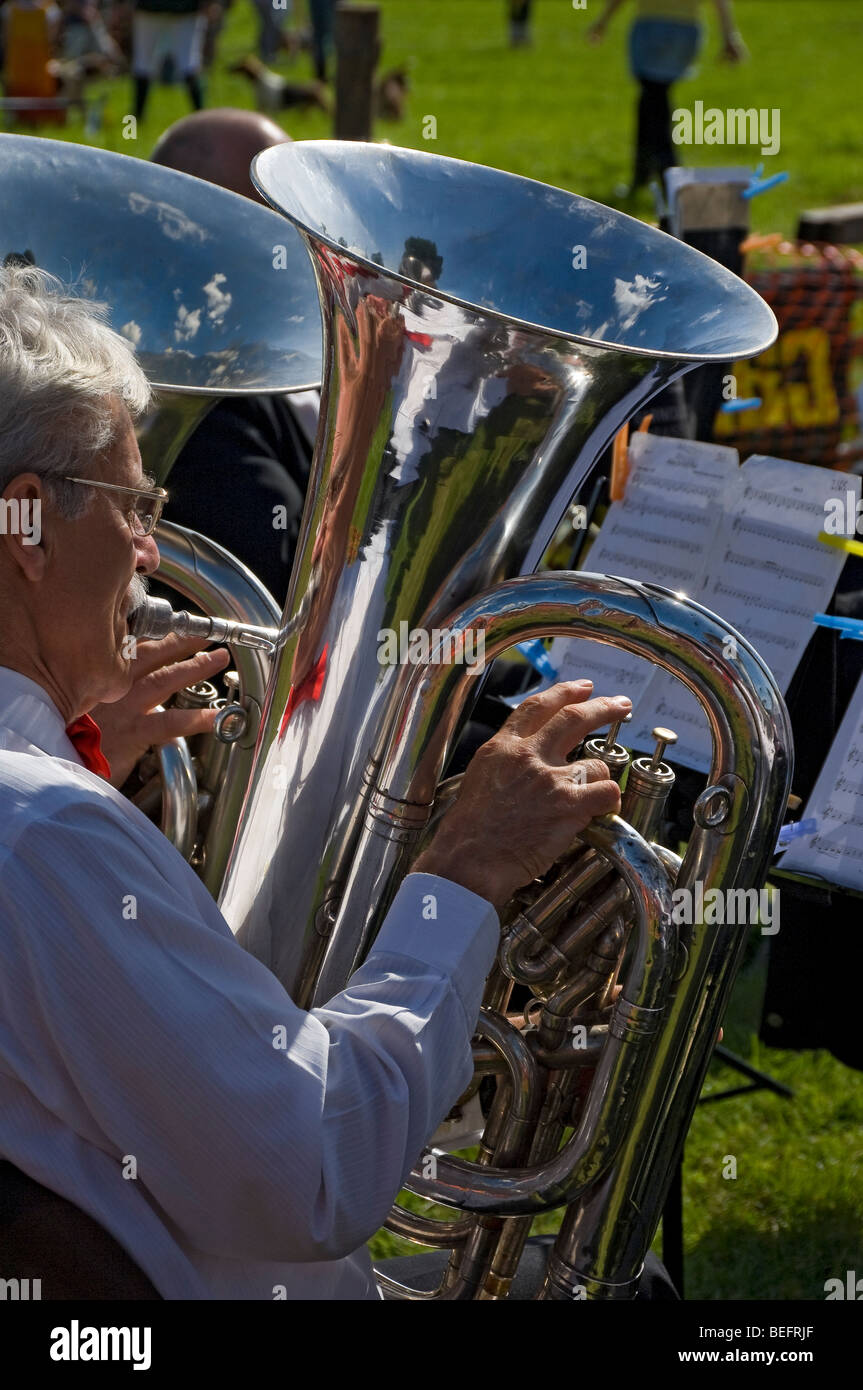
<point>216,581</point>
<point>618,1172</point>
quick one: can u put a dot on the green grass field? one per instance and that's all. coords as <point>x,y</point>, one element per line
<point>562,112</point>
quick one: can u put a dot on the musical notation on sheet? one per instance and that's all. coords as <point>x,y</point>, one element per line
<point>834,849</point>
<point>740,540</point>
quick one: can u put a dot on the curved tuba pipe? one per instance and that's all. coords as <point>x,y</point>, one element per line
<point>746,714</point>
<point>215,581</point>
<point>614,1173</point>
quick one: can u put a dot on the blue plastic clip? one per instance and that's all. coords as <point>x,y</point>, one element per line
<point>846,627</point>
<point>757,185</point>
<point>794,829</point>
<point>539,658</point>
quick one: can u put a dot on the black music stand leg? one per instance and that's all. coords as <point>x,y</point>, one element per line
<point>762,1080</point>
<point>672,1229</point>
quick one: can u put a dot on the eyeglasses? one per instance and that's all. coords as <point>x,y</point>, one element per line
<point>143,514</point>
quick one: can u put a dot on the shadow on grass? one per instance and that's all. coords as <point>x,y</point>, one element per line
<point>738,1261</point>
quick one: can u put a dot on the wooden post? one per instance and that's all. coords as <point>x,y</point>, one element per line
<point>714,218</point>
<point>357,52</point>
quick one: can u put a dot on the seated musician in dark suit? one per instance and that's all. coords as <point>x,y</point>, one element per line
<point>252,453</point>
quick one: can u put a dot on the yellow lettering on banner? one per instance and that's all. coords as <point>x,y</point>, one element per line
<point>814,401</point>
<point>768,384</point>
<point>803,404</point>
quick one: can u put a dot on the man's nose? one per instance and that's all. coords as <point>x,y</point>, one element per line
<point>149,558</point>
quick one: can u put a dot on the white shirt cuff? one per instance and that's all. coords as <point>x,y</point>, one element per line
<point>434,920</point>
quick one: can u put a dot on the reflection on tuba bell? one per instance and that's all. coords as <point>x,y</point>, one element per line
<point>161,249</point>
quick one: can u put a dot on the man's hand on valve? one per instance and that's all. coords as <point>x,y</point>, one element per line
<point>521,804</point>
<point>133,724</point>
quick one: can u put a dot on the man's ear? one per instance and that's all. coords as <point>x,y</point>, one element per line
<point>21,515</point>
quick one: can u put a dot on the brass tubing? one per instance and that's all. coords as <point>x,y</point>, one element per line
<point>634,1021</point>
<point>525,954</point>
<point>555,1016</point>
<point>577,935</point>
<point>425,1230</point>
<point>516,1229</point>
<point>514,1134</point>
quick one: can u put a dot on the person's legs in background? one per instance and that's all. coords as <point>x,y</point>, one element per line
<point>270,33</point>
<point>322,15</point>
<point>188,54</point>
<point>660,52</point>
<point>519,23</point>
<point>147,34</point>
<point>654,149</point>
<point>193,87</point>
<point>178,35</point>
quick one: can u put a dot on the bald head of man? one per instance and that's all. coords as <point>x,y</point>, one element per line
<point>219,146</point>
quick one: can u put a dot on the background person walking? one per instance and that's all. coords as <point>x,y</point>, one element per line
<point>664,41</point>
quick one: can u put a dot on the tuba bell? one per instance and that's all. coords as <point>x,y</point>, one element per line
<point>160,248</point>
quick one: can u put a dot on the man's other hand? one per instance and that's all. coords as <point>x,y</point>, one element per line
<point>132,725</point>
<point>521,804</point>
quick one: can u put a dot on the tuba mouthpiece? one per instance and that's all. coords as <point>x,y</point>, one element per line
<point>155,618</point>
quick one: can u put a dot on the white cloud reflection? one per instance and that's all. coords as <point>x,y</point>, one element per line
<point>175,223</point>
<point>187,323</point>
<point>633,297</point>
<point>218,300</point>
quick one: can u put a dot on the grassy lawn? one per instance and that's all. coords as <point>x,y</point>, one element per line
<point>563,112</point>
<point>793,1216</point>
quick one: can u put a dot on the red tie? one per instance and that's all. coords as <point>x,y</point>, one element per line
<point>87,738</point>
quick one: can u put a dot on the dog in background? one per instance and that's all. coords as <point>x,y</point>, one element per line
<point>391,90</point>
<point>275,93</point>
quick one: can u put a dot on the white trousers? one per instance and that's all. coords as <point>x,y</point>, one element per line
<point>154,36</point>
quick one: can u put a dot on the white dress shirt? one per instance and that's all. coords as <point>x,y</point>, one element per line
<point>138,1037</point>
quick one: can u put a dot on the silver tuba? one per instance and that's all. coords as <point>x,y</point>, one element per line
<point>472,377</point>
<point>473,373</point>
<point>161,249</point>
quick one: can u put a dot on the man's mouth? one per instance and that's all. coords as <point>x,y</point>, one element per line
<point>135,598</point>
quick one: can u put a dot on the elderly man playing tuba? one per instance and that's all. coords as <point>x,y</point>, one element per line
<point>138,1074</point>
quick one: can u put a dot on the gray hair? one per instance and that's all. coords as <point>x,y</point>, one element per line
<point>60,367</point>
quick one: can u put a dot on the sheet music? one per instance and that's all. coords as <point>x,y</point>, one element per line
<point>659,531</point>
<point>667,519</point>
<point>834,850</point>
<point>768,571</point>
<point>741,541</point>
